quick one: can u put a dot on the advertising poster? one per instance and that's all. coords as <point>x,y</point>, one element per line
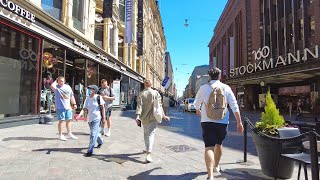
<point>116,89</point>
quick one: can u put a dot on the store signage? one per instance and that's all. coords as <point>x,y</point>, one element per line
<point>140,28</point>
<point>102,57</point>
<point>129,21</point>
<point>262,63</point>
<point>11,6</point>
<point>80,44</point>
<point>107,8</point>
<point>116,89</point>
<point>123,68</point>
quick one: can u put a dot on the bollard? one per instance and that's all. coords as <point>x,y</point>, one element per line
<point>245,141</point>
<point>314,156</point>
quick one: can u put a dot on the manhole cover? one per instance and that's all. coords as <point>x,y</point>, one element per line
<point>181,148</point>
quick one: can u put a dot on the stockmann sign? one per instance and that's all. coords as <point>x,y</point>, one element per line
<point>262,63</point>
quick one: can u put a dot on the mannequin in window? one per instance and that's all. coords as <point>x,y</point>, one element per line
<point>47,90</point>
<point>81,93</point>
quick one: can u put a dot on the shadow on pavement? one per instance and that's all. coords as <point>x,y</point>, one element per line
<point>28,139</point>
<point>147,175</point>
<point>117,158</point>
<point>241,173</point>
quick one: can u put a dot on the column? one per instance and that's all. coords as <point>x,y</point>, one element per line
<point>106,35</point>
<point>64,15</point>
<point>68,18</point>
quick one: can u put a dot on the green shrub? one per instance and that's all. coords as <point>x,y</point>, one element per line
<point>271,119</point>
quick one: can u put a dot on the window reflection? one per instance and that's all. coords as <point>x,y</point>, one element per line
<point>19,58</point>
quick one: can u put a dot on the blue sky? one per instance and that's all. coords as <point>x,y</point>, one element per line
<point>188,45</point>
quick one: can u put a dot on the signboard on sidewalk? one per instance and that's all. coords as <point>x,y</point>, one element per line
<point>116,90</point>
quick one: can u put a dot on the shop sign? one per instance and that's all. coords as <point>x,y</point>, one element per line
<point>102,57</point>
<point>262,63</point>
<point>11,6</point>
<point>80,44</point>
<point>140,28</point>
<point>123,68</point>
<point>128,21</point>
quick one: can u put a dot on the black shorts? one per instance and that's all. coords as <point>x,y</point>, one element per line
<point>213,133</point>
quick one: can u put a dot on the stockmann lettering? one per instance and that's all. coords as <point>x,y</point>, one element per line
<point>262,63</point>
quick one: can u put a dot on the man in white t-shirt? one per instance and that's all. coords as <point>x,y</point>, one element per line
<point>96,112</point>
<point>214,131</point>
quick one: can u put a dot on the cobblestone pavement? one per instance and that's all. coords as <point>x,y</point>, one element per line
<point>34,152</point>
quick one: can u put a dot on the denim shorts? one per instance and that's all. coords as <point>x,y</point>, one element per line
<point>64,114</point>
<point>108,112</point>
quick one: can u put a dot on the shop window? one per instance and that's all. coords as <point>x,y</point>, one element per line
<point>78,14</point>
<point>98,30</point>
<point>122,10</point>
<point>19,62</point>
<point>52,7</point>
<point>312,26</point>
<point>289,6</point>
<point>53,63</point>
<point>120,48</point>
<point>75,75</point>
<point>92,73</point>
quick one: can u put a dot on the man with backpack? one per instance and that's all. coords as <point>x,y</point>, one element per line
<point>96,113</point>
<point>211,103</point>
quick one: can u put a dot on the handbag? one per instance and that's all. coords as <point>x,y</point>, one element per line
<point>157,108</point>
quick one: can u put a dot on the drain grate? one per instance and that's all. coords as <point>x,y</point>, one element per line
<point>181,148</point>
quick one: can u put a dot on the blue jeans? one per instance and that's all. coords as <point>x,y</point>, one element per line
<point>94,134</point>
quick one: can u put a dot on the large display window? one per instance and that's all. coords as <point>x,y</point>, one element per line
<point>52,68</point>
<point>19,71</point>
<point>75,75</point>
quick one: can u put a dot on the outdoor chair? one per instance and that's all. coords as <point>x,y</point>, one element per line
<point>291,148</point>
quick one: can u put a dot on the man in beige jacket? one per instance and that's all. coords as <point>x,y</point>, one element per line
<point>145,116</point>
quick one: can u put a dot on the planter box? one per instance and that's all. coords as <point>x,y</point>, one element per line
<point>269,153</point>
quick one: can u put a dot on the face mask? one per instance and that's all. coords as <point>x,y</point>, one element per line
<point>89,92</point>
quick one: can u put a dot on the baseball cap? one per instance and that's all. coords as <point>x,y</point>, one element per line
<point>94,87</point>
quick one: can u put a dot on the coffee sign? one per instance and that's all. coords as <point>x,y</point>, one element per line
<point>262,63</point>
<point>11,6</point>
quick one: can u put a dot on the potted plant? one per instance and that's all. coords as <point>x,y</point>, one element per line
<point>268,150</point>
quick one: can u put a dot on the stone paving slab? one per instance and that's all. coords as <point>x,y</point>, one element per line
<point>34,152</point>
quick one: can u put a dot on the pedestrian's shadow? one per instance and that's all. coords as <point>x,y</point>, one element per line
<point>117,158</point>
<point>120,158</point>
<point>147,175</point>
<point>28,139</point>
<point>242,174</point>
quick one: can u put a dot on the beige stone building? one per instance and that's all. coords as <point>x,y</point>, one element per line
<point>82,40</point>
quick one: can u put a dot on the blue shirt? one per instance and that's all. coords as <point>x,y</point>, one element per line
<point>63,96</point>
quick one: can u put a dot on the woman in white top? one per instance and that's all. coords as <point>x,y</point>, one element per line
<point>96,112</point>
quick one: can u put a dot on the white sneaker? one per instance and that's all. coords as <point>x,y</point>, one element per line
<point>217,169</point>
<point>70,135</point>
<point>108,133</point>
<point>62,138</point>
<point>148,158</point>
<point>103,132</point>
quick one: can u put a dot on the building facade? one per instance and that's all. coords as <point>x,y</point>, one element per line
<point>169,73</point>
<point>201,80</point>
<point>82,40</point>
<point>269,44</point>
<point>155,44</point>
<point>197,71</point>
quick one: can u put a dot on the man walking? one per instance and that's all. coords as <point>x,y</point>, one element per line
<point>95,106</point>
<point>215,130</point>
<point>107,95</point>
<point>63,98</point>
<point>166,103</point>
<point>145,116</point>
